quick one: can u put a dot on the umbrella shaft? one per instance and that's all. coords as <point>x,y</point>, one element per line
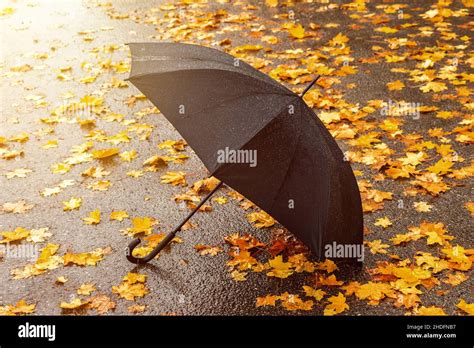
<point>204,200</point>
<point>309,86</point>
<point>169,237</point>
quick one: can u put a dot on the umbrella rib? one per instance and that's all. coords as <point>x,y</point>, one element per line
<point>249,73</point>
<point>248,68</point>
<point>253,135</point>
<point>288,168</point>
<point>327,137</point>
<point>226,102</point>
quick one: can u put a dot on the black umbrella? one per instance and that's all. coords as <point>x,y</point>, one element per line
<point>256,136</point>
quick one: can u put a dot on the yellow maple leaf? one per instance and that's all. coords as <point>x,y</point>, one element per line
<point>395,85</point>
<point>61,280</point>
<point>95,172</point>
<point>412,158</point>
<point>128,156</point>
<point>60,168</point>
<point>296,31</point>
<point>207,249</point>
<point>407,300</point>
<point>434,87</point>
<point>411,275</point>
<point>93,218</point>
<point>318,294</point>
<point>74,304</point>
<point>118,215</point>
<point>86,289</point>
<point>135,173</point>
<point>174,178</point>
<point>270,39</point>
<point>177,145</point>
<point>430,311</point>
<point>50,144</point>
<point>329,117</point>
<point>46,260</point>
<point>339,39</point>
<point>433,238</point>
<point>268,300</point>
<point>432,183</point>
<point>220,200</point>
<point>142,225</point>
<point>20,308</point>
<point>330,280</point>
<point>422,207</point>
<point>429,261</point>
<point>455,278</point>
<point>456,254</point>
<point>366,140</point>
<point>84,259</point>
<point>72,204</point>
<point>387,30</point>
<point>238,276</point>
<point>271,3</point>
<point>445,114</point>
<point>261,219</point>
<point>470,206</point>
<point>133,278</point>
<point>337,305</point>
<point>377,247</point>
<point>466,307</point>
<point>20,138</point>
<point>327,265</point>
<point>301,263</point>
<point>104,153</point>
<point>11,236</point>
<point>18,173</point>
<point>294,302</point>
<point>374,291</point>
<point>395,173</point>
<point>245,48</point>
<point>351,288</point>
<point>136,308</point>
<point>279,268</point>
<point>101,185</point>
<point>101,303</point>
<point>205,185</point>
<point>441,167</point>
<point>383,222</point>
<point>88,79</point>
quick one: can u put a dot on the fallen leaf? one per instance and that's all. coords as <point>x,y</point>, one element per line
<point>72,204</point>
<point>174,178</point>
<point>86,289</point>
<point>261,219</point>
<point>279,268</point>
<point>74,304</point>
<point>93,218</point>
<point>318,294</point>
<point>337,305</point>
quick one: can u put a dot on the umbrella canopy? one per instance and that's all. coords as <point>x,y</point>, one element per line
<point>256,136</point>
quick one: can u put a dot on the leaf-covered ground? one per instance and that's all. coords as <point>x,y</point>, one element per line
<point>87,163</point>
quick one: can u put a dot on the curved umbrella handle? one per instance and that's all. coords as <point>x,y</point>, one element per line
<point>152,254</point>
<point>169,237</point>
